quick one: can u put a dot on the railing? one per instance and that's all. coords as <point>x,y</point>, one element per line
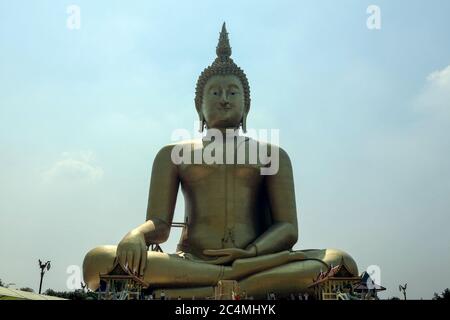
<point>329,296</point>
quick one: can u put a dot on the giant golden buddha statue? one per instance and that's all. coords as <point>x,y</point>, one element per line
<point>239,224</point>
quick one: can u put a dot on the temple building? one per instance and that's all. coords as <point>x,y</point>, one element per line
<point>337,283</point>
<point>120,285</point>
<point>335,280</point>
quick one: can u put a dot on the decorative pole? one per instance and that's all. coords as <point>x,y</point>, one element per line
<point>403,288</point>
<point>43,267</point>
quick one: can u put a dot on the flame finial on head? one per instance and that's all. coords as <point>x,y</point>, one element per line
<point>223,49</point>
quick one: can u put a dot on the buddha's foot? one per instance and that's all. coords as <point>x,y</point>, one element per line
<point>245,267</point>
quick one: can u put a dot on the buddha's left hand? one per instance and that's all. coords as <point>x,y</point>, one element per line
<point>228,255</point>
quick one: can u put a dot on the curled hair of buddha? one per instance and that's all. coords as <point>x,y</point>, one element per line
<point>222,65</point>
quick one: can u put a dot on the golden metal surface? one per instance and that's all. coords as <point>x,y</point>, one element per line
<point>240,225</point>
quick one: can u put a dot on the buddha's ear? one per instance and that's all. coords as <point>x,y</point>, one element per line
<point>201,119</point>
<point>244,122</point>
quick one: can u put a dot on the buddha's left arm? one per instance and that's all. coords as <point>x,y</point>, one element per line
<point>283,233</point>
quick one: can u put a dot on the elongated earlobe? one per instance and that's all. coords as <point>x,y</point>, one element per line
<point>202,122</point>
<point>244,123</point>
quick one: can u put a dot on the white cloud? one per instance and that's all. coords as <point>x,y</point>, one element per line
<point>440,77</point>
<point>78,166</point>
<point>435,97</point>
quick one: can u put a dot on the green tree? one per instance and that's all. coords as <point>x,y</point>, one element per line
<point>72,295</point>
<point>445,295</point>
<point>27,289</point>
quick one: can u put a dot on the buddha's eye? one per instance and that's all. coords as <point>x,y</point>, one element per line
<point>215,93</point>
<point>233,93</point>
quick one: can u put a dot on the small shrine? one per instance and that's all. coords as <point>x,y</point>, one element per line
<point>120,285</point>
<point>335,284</point>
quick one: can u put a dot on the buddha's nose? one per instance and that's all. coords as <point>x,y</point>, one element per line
<point>224,100</point>
<point>224,104</point>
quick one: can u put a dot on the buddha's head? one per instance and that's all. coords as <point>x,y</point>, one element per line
<point>222,96</point>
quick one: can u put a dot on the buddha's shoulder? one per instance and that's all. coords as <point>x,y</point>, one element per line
<point>270,148</point>
<point>193,143</point>
<point>168,149</point>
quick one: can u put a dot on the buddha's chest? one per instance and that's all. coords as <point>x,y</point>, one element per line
<point>241,175</point>
<point>221,203</point>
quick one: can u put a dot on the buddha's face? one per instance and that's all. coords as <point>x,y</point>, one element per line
<point>223,102</point>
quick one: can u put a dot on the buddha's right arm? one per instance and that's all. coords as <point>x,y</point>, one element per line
<point>132,250</point>
<point>155,231</point>
<point>162,198</point>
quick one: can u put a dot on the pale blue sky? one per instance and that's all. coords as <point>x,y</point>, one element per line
<point>364,115</point>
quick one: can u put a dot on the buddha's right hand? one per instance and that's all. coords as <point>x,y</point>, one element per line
<point>132,252</point>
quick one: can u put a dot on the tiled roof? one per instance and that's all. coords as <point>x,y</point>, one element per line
<point>333,273</point>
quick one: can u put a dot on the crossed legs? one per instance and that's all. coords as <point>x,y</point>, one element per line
<point>283,273</point>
